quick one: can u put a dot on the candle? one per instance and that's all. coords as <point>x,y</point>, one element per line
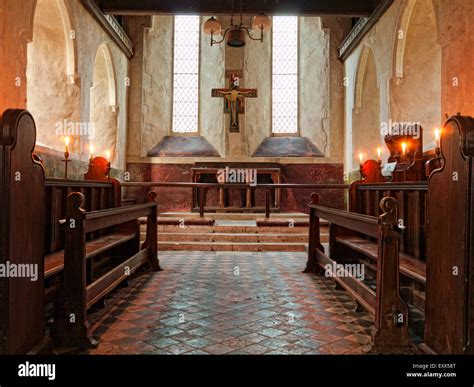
<point>437,133</point>
<point>91,151</point>
<point>404,148</point>
<point>361,157</point>
<point>67,141</point>
<point>379,153</point>
<point>107,155</point>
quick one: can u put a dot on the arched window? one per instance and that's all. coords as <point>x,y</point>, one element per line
<point>186,74</point>
<point>285,75</point>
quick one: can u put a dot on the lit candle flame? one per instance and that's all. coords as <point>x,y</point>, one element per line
<point>379,153</point>
<point>67,141</point>
<point>361,157</point>
<point>404,148</point>
<point>437,133</point>
<point>91,150</point>
<point>108,154</point>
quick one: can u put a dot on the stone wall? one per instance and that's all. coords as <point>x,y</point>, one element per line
<point>456,36</point>
<point>416,89</point>
<point>211,119</point>
<point>320,89</point>
<point>64,90</point>
<point>422,49</point>
<point>366,114</point>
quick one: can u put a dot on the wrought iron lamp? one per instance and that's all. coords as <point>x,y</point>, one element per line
<point>236,33</point>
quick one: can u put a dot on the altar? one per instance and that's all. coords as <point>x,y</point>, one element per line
<point>224,199</point>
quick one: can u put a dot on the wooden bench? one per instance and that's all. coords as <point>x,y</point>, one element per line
<point>409,266</point>
<point>385,302</point>
<point>78,234</point>
<point>409,186</point>
<point>84,285</point>
<point>109,247</point>
<point>100,195</point>
<point>412,202</point>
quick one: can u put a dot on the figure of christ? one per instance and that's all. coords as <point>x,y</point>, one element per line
<point>234,101</point>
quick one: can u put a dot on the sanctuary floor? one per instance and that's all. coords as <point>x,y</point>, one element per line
<point>231,303</point>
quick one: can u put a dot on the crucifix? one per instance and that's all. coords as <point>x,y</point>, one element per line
<point>234,99</point>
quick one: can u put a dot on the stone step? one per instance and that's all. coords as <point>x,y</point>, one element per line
<point>233,237</point>
<point>235,232</point>
<point>231,229</point>
<point>225,246</point>
<point>234,216</point>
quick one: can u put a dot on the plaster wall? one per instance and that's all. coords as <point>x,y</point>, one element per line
<point>320,69</point>
<point>416,90</point>
<point>366,115</point>
<point>314,99</point>
<point>212,76</point>
<point>456,37</point>
<point>16,37</point>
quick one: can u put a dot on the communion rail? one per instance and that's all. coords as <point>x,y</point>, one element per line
<point>202,187</point>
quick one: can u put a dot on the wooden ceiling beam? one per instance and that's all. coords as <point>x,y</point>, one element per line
<point>348,8</point>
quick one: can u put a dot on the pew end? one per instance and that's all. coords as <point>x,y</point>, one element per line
<point>385,303</point>
<point>22,326</point>
<point>81,289</point>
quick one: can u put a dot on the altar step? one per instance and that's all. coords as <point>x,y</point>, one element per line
<point>234,216</point>
<point>226,246</point>
<point>237,235</point>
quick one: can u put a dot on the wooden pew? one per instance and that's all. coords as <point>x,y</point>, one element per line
<point>100,195</point>
<point>107,250</point>
<point>100,191</point>
<point>409,186</point>
<point>81,289</point>
<point>412,203</point>
<point>86,262</point>
<point>22,219</point>
<point>450,243</point>
<point>390,310</point>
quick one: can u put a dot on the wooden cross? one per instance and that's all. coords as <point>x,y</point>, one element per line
<point>234,99</point>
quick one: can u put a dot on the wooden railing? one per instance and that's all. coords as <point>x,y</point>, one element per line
<point>202,187</point>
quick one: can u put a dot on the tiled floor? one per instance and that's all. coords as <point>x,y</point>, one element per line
<point>231,303</point>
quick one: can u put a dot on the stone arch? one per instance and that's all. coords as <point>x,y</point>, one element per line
<point>52,94</point>
<point>400,43</point>
<point>366,136</point>
<point>70,39</point>
<point>416,89</point>
<point>103,102</point>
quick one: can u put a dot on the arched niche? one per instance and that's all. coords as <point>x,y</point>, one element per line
<point>53,91</point>
<point>416,90</point>
<point>103,103</point>
<point>366,134</point>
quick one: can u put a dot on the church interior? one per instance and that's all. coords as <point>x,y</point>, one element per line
<point>236,177</point>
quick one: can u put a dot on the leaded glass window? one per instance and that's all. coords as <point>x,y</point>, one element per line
<point>186,74</point>
<point>285,75</point>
